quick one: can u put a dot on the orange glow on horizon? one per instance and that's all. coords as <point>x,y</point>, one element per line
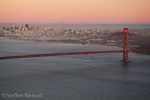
<point>83,11</point>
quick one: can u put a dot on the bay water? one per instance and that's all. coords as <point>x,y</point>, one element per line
<point>74,77</point>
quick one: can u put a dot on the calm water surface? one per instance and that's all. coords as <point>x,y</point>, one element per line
<point>101,77</point>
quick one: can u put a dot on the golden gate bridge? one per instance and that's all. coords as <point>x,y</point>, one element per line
<point>124,38</point>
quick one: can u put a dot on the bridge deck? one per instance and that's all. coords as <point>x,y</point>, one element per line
<point>68,53</point>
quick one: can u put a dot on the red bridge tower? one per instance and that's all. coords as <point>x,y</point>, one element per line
<point>125,45</point>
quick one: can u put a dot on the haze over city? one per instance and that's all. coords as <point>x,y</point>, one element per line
<point>75,11</point>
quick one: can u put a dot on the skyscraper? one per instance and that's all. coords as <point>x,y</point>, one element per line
<point>27,25</point>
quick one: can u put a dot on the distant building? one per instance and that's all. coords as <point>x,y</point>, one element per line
<point>25,28</point>
<point>19,27</point>
<point>81,30</point>
<point>4,28</point>
<point>32,27</point>
<point>65,30</point>
<point>110,30</point>
<point>27,25</point>
<point>5,31</point>
<point>105,31</point>
<point>13,26</point>
<point>45,28</point>
<point>71,30</point>
<point>22,28</point>
<point>52,29</point>
<point>37,28</point>
<point>16,27</point>
<point>90,31</point>
<point>96,30</point>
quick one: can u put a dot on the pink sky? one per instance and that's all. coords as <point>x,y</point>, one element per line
<point>76,11</point>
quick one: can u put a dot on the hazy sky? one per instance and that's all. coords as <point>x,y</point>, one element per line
<point>76,11</point>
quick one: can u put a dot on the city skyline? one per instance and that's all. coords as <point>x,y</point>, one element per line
<point>74,12</point>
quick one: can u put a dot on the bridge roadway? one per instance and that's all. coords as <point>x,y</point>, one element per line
<point>68,53</point>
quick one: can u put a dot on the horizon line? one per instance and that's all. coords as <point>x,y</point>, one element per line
<point>65,23</point>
